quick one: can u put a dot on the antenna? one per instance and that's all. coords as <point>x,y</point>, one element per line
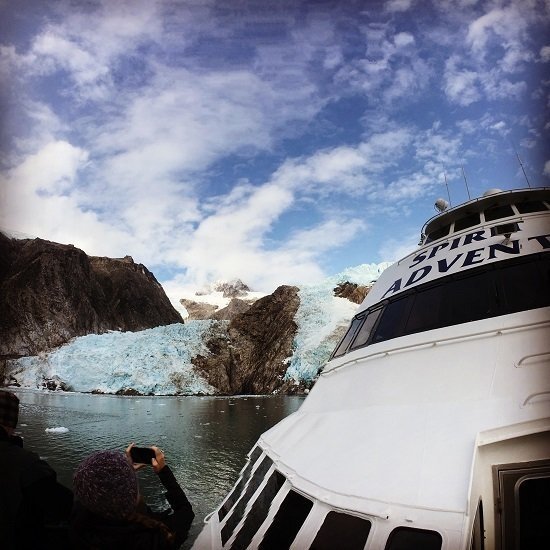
<point>447,186</point>
<point>521,164</point>
<point>465,181</point>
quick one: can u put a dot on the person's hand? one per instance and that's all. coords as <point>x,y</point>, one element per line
<point>129,458</point>
<point>158,462</point>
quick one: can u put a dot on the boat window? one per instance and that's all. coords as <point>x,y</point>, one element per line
<point>234,495</point>
<point>470,299</point>
<point>467,221</point>
<point>258,512</point>
<point>364,332</point>
<point>525,286</point>
<point>478,530</point>
<point>342,531</point>
<point>407,538</point>
<point>504,229</point>
<point>531,206</point>
<point>392,320</point>
<point>287,522</point>
<point>425,312</point>
<point>344,343</point>
<point>496,289</point>
<point>236,516</point>
<point>498,212</point>
<point>438,233</point>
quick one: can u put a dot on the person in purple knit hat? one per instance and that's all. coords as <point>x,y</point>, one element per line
<point>34,507</point>
<point>109,512</point>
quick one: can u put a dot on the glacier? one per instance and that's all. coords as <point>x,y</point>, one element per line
<point>155,361</point>
<point>158,361</point>
<point>319,317</point>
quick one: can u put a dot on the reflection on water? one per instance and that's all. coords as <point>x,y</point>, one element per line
<point>205,439</point>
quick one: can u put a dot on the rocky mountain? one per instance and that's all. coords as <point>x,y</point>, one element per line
<point>74,322</point>
<point>50,293</point>
<point>198,311</point>
<point>235,308</point>
<point>248,357</point>
<point>352,291</point>
<point>220,300</point>
<point>232,289</point>
<point>203,310</point>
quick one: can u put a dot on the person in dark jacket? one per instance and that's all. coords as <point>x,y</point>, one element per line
<point>110,514</point>
<point>34,507</point>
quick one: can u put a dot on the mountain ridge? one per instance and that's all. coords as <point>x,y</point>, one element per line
<point>277,344</point>
<point>51,293</point>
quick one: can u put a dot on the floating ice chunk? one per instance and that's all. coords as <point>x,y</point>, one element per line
<point>58,430</point>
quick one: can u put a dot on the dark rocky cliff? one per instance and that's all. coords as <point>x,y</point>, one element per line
<point>50,293</point>
<point>247,355</point>
<point>352,291</point>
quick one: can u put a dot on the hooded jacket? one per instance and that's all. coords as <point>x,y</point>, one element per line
<point>90,531</point>
<point>34,507</point>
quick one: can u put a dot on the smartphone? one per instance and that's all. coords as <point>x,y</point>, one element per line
<point>142,455</point>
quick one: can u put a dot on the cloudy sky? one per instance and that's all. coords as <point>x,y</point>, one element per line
<point>277,141</point>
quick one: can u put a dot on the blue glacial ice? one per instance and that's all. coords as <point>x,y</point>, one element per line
<point>322,319</point>
<point>154,361</point>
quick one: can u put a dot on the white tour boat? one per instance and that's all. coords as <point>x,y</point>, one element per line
<point>429,427</point>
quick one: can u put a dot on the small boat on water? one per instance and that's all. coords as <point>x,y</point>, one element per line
<point>429,427</point>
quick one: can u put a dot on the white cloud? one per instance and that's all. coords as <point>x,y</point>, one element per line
<point>391,68</point>
<point>344,169</point>
<point>232,236</point>
<point>235,238</point>
<point>437,147</point>
<point>184,120</point>
<point>8,61</point>
<point>403,39</point>
<point>500,37</point>
<point>398,5</point>
<point>500,127</point>
<point>461,85</point>
<point>394,250</point>
<point>324,237</point>
<point>84,67</point>
<point>496,86</point>
<point>406,82</point>
<point>545,54</point>
<point>38,199</point>
<point>504,23</point>
<point>87,44</point>
<point>52,170</point>
<point>546,170</point>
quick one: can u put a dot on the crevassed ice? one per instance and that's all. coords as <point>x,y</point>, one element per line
<point>319,318</point>
<point>154,361</point>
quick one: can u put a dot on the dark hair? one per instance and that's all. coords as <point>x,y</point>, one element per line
<point>151,523</point>
<point>85,536</point>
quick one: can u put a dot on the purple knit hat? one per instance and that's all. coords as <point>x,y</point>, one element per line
<point>106,484</point>
<point>9,409</point>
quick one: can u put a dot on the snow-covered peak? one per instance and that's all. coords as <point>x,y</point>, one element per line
<point>234,288</point>
<point>217,294</point>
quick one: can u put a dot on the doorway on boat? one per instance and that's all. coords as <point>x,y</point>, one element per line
<point>522,497</point>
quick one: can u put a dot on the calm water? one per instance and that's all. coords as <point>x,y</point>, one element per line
<point>205,439</point>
